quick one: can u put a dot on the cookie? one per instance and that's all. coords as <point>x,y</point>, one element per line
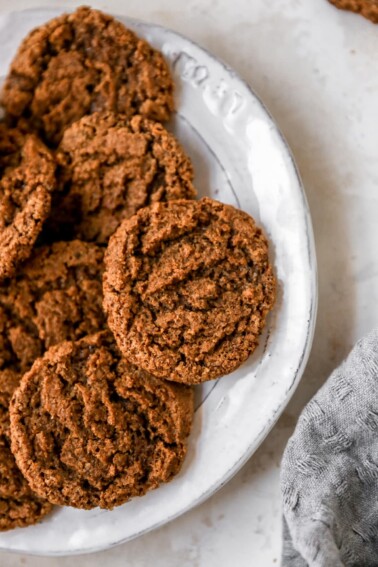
<point>187,287</point>
<point>82,63</point>
<point>367,8</point>
<point>88,429</point>
<point>108,168</point>
<point>56,296</point>
<point>27,177</point>
<point>19,506</point>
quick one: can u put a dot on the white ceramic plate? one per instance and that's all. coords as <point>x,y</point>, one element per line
<point>240,158</point>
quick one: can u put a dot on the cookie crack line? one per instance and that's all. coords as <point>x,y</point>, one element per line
<point>201,272</point>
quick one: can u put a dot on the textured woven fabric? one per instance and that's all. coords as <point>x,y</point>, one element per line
<point>329,473</point>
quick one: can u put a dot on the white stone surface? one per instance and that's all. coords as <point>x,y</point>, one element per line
<point>317,71</point>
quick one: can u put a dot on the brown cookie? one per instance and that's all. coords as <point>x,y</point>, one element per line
<point>187,287</point>
<point>82,63</point>
<point>56,296</point>
<point>88,429</point>
<point>367,8</point>
<point>19,506</point>
<point>108,168</point>
<point>27,177</point>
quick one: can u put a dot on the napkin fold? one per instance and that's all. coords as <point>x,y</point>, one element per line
<point>329,471</point>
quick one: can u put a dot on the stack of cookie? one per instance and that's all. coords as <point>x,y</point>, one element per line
<point>118,290</point>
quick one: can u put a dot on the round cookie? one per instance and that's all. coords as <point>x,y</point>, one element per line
<point>81,63</point>
<point>27,177</point>
<point>88,429</point>
<point>55,296</point>
<point>187,287</point>
<point>108,168</point>
<point>367,8</point>
<point>19,506</point>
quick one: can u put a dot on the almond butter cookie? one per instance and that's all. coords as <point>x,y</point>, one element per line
<point>108,168</point>
<point>81,63</point>
<point>56,296</point>
<point>88,429</point>
<point>187,288</point>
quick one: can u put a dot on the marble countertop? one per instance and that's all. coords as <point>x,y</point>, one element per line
<point>316,69</point>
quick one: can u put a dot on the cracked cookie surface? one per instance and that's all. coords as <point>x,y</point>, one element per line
<point>56,296</point>
<point>187,287</point>
<point>108,168</point>
<point>27,178</point>
<point>81,63</point>
<point>89,429</point>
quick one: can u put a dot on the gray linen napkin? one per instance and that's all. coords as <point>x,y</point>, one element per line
<point>329,472</point>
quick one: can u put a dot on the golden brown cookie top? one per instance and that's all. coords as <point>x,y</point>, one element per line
<point>89,429</point>
<point>109,167</point>
<point>56,296</point>
<point>81,63</point>
<point>27,178</point>
<point>187,287</point>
